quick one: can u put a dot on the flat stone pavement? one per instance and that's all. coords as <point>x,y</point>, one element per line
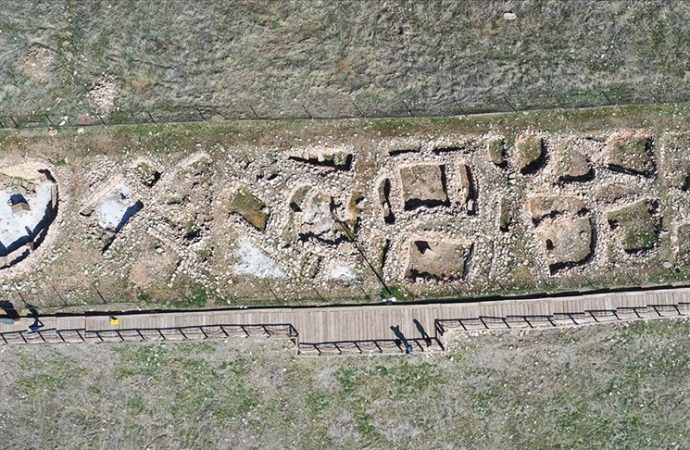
<point>359,329</point>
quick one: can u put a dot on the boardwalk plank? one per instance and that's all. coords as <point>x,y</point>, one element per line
<point>363,324</point>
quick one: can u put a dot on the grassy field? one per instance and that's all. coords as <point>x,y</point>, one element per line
<point>608,386</point>
<point>329,59</point>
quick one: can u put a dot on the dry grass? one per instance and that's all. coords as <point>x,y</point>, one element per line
<point>608,386</point>
<point>335,58</point>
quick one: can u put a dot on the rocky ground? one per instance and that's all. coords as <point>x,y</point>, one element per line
<point>281,213</point>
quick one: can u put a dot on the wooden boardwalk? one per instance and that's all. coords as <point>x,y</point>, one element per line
<point>355,328</point>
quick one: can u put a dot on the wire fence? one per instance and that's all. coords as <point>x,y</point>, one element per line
<point>349,107</point>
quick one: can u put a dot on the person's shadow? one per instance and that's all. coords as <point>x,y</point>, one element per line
<point>401,339</point>
<point>9,309</point>
<point>423,332</point>
<point>36,326</point>
<point>33,313</point>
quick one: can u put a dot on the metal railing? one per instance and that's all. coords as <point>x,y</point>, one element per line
<point>563,318</point>
<point>196,332</point>
<point>348,107</point>
<point>354,346</point>
<point>370,346</point>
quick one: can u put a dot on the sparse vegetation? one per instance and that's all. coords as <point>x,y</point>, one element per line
<point>392,291</point>
<point>683,239</point>
<point>496,149</point>
<point>190,296</point>
<point>529,149</point>
<point>250,207</point>
<point>631,152</point>
<point>638,225</point>
<point>604,386</point>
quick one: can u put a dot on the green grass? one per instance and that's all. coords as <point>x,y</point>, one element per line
<point>392,291</point>
<point>195,296</point>
<point>59,162</point>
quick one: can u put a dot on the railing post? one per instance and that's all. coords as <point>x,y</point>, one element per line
<point>527,321</point>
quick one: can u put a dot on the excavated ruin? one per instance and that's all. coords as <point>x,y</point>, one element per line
<point>28,208</point>
<point>422,212</point>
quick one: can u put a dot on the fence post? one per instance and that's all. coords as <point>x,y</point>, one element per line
<point>364,292</point>
<point>254,112</point>
<point>357,108</point>
<point>318,294</point>
<point>409,111</point>
<point>409,292</point>
<point>99,293</point>
<point>58,294</point>
<point>14,122</point>
<point>558,98</point>
<point>505,98</point>
<point>460,109</point>
<point>608,99</point>
<point>656,99</point>
<point>307,111</point>
<point>272,291</point>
